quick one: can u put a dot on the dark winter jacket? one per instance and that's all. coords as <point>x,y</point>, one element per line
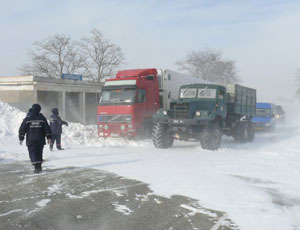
<point>35,127</point>
<point>56,122</point>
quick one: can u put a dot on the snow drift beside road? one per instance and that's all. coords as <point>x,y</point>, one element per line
<point>257,183</point>
<point>11,119</point>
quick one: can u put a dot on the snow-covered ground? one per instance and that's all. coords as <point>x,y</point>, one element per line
<point>257,184</point>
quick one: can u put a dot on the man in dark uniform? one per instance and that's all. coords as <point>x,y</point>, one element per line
<point>56,124</point>
<point>36,128</point>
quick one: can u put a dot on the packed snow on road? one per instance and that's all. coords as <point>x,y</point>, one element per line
<point>256,184</point>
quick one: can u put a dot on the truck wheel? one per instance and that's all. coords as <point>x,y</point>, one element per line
<point>211,138</point>
<point>251,132</point>
<point>160,136</point>
<point>242,133</point>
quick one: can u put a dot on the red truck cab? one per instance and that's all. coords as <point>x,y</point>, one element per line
<point>127,103</point>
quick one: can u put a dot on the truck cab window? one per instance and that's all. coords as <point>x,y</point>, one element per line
<point>150,78</point>
<point>221,95</point>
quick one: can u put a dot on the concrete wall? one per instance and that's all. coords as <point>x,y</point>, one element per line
<point>23,100</point>
<point>77,101</point>
<point>91,102</point>
<point>72,107</point>
<point>48,100</point>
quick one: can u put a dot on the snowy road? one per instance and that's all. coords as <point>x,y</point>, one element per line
<point>257,184</point>
<point>80,198</point>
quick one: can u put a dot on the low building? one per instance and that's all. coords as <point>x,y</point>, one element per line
<point>76,100</point>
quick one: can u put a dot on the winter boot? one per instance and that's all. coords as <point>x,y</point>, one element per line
<point>35,168</point>
<point>59,147</point>
<point>51,147</point>
<point>39,167</point>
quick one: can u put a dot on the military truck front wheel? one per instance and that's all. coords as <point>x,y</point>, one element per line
<point>211,138</point>
<point>160,136</point>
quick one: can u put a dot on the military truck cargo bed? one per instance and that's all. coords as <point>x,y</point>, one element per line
<point>241,100</point>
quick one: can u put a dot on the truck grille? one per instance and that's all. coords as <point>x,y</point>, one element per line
<point>114,118</point>
<point>180,111</point>
<point>114,127</point>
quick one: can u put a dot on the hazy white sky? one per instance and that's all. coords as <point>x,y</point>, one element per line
<point>262,36</point>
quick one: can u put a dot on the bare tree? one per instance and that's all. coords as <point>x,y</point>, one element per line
<point>53,56</point>
<point>101,55</point>
<point>208,65</point>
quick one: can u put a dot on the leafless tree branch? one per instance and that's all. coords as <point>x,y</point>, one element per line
<point>208,65</point>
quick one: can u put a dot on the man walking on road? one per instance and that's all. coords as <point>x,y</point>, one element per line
<point>36,128</point>
<point>56,124</point>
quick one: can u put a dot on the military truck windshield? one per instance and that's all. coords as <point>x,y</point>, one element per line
<point>263,112</point>
<point>207,93</point>
<point>188,93</point>
<point>117,96</point>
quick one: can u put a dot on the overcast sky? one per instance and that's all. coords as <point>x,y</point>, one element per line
<point>262,36</point>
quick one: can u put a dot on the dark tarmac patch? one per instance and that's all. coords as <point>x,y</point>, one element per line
<point>81,198</point>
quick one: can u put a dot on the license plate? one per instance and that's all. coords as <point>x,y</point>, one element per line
<point>177,121</point>
<point>114,134</point>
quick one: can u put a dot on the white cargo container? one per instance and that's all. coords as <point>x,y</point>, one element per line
<point>169,83</point>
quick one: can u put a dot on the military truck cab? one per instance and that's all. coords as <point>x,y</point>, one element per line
<point>204,112</point>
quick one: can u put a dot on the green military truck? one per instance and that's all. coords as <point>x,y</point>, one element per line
<point>204,112</point>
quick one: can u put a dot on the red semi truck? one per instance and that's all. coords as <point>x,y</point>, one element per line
<point>128,101</point>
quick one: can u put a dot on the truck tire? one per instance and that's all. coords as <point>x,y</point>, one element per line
<point>160,136</point>
<point>211,137</point>
<point>251,132</point>
<point>242,133</point>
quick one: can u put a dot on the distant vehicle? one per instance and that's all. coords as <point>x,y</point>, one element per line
<point>203,113</point>
<point>265,118</point>
<point>129,100</point>
<point>280,113</point>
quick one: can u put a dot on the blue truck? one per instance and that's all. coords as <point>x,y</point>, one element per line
<point>265,118</point>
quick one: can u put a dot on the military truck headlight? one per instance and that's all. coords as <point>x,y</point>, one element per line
<point>122,127</point>
<point>198,113</point>
<point>106,127</point>
<point>165,112</point>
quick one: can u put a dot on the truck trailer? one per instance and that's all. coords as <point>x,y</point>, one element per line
<point>203,113</point>
<point>128,101</point>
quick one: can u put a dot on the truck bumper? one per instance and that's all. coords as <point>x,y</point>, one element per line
<point>182,122</point>
<point>262,126</point>
<point>116,130</point>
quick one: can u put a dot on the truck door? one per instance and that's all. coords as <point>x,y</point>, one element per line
<point>221,101</point>
<point>152,96</point>
<point>140,106</point>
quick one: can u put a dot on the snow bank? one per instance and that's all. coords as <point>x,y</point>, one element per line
<point>10,120</point>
